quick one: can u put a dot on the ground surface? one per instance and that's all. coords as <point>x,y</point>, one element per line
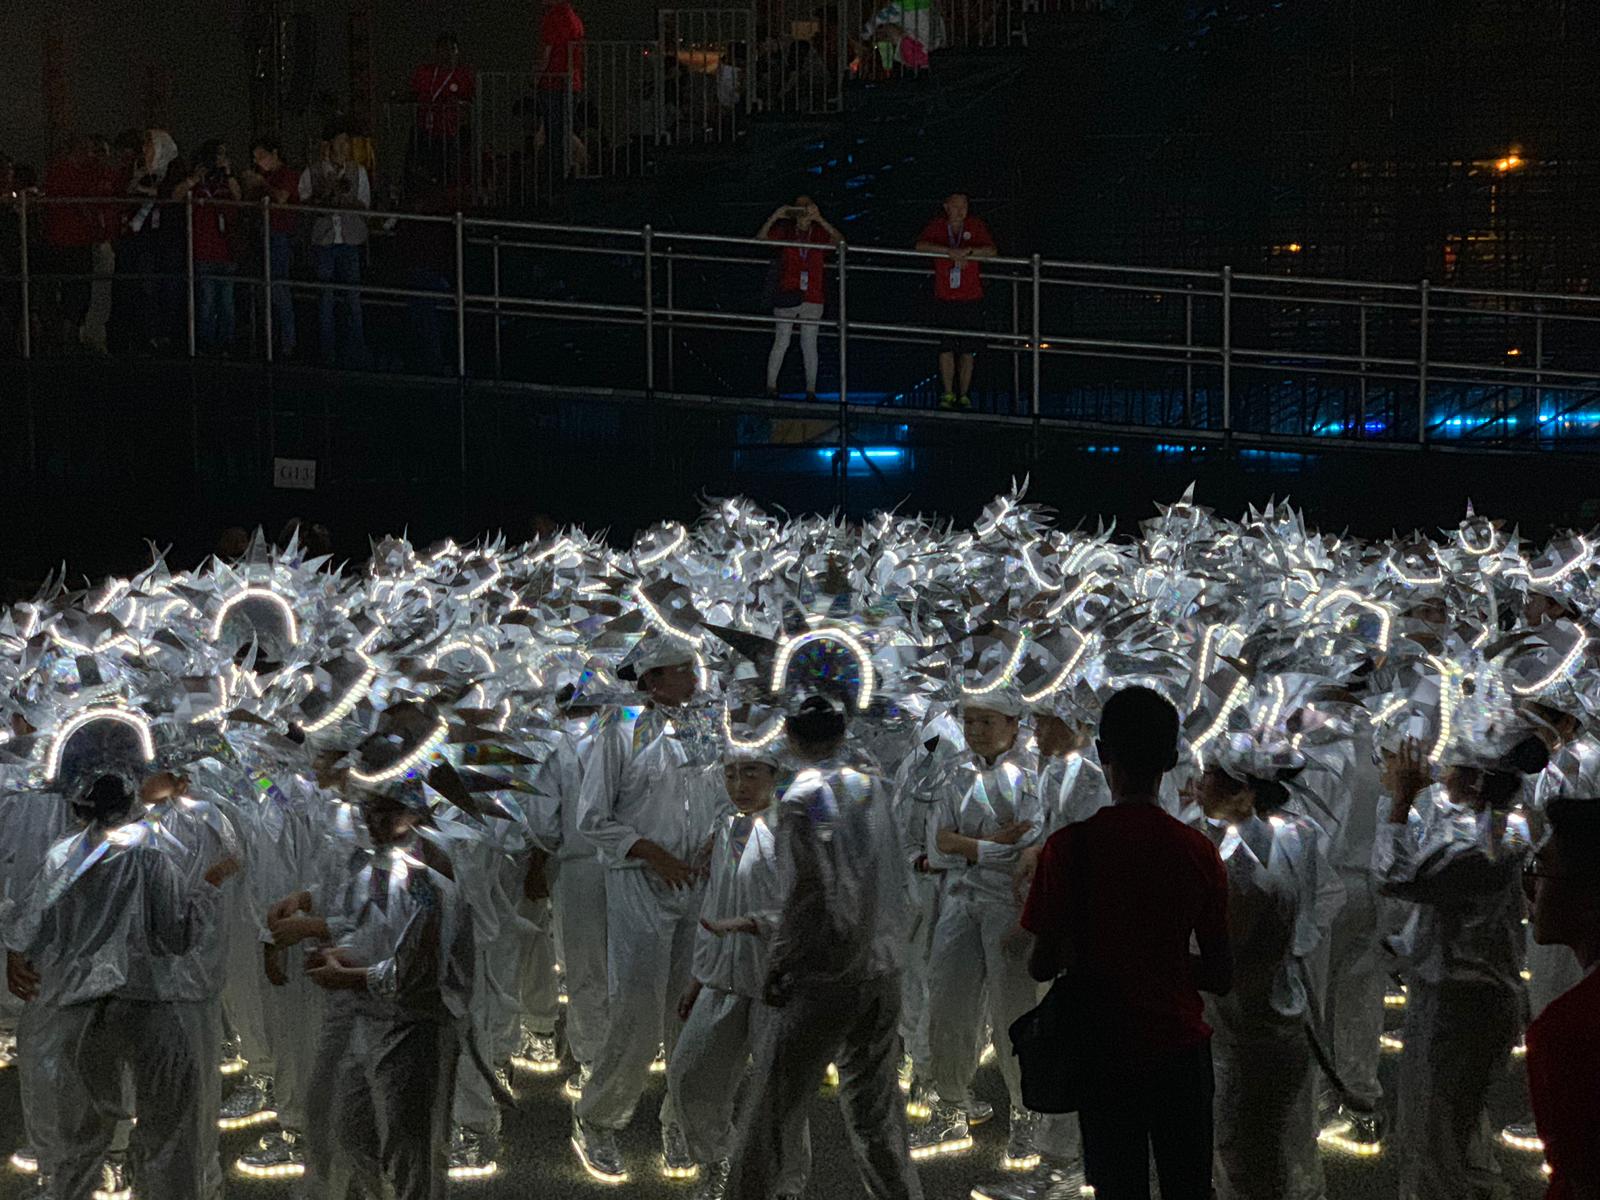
<point>538,1162</point>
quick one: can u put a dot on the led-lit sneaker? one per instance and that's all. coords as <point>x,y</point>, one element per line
<point>249,1103</point>
<point>713,1181</point>
<point>1021,1155</point>
<point>947,1132</point>
<point>115,1183</point>
<point>908,1072</point>
<point>577,1081</point>
<point>922,1100</point>
<point>472,1155</point>
<point>979,1112</point>
<point>277,1155</point>
<point>1522,1135</point>
<point>597,1151</point>
<point>538,1053</point>
<point>1043,1183</point>
<point>1354,1132</point>
<point>8,1050</point>
<point>676,1161</point>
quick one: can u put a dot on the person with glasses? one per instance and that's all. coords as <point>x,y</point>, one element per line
<point>1562,882</point>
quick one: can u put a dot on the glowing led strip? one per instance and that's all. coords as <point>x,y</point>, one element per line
<point>118,588</point>
<point>136,721</point>
<point>1334,1138</point>
<point>1530,1145</point>
<point>483,585</point>
<point>456,647</point>
<point>1417,580</point>
<point>1005,511</point>
<point>1084,584</point>
<point>1280,696</point>
<point>650,560</point>
<point>939,1149</point>
<point>1006,673</point>
<point>1461,536</point>
<point>1448,674</point>
<point>289,1170</point>
<point>1208,639</point>
<point>790,646</point>
<point>548,552</point>
<point>770,735</point>
<point>1235,697</point>
<point>1565,569</point>
<point>77,647</point>
<point>1060,676</point>
<point>1568,661</point>
<point>689,1172</point>
<point>397,769</point>
<point>461,1174</point>
<point>658,621</point>
<point>257,593</point>
<point>347,702</point>
<point>595,1172</point>
<point>1388,710</point>
<point>1027,1163</point>
<point>228,1124</point>
<point>1385,620</point>
<point>1027,565</point>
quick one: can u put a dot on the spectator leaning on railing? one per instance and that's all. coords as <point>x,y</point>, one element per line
<point>280,184</point>
<point>337,238</point>
<point>961,239</point>
<point>211,182</point>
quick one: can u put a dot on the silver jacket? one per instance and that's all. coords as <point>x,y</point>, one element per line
<point>1465,879</point>
<point>642,782</point>
<point>743,883</point>
<point>1071,789</point>
<point>846,911</point>
<point>976,799</point>
<point>108,913</point>
<point>206,836</point>
<point>558,789</point>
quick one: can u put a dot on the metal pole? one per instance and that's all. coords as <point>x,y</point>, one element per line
<point>27,317</point>
<point>1538,370</point>
<point>844,383</point>
<point>1361,411</point>
<point>497,369</point>
<point>649,313</point>
<point>1188,356</point>
<point>1016,336</point>
<point>461,305</point>
<point>672,383</point>
<point>188,266</point>
<point>1227,352</point>
<point>1038,345</point>
<point>1422,363</point>
<point>266,271</point>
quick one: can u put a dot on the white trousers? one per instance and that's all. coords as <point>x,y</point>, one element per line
<point>970,957</point>
<point>650,933</point>
<point>808,315</point>
<point>914,978</point>
<point>1265,1113</point>
<point>169,1051</point>
<point>708,1065</point>
<point>1458,1037</point>
<point>1351,972</point>
<point>855,1025</point>
<point>514,969</point>
<point>578,896</point>
<point>293,1016</point>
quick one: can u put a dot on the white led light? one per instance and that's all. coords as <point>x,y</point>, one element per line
<point>483,585</point>
<point>1530,1145</point>
<point>1334,1137</point>
<point>265,1117</point>
<point>595,1173</point>
<point>347,702</point>
<point>1466,543</point>
<point>135,720</point>
<point>1235,698</point>
<point>1448,672</point>
<point>1212,642</point>
<point>1355,599</point>
<point>941,1149</point>
<point>830,1077</point>
<point>291,626</point>
<point>276,1171</point>
<point>113,594</point>
<point>1005,511</point>
<point>1060,677</point>
<point>77,647</point>
<point>460,646</point>
<point>1388,710</point>
<point>233,1066</point>
<point>405,763</point>
<point>536,1066</point>
<point>1557,673</point>
<point>1520,1050</point>
<point>658,621</point>
<point>1028,1162</point>
<point>27,1164</point>
<point>1414,580</point>
<point>1084,584</point>
<point>767,736</point>
<point>826,633</point>
<point>1390,1043</point>
<point>1006,673</point>
<point>462,1174</point>
<point>1565,569</point>
<point>667,551</point>
<point>680,1173</point>
<point>1395,999</point>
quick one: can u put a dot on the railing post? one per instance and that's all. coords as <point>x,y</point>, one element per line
<point>1016,337</point>
<point>1227,352</point>
<point>22,261</point>
<point>1038,346</point>
<point>649,313</point>
<point>1361,395</point>
<point>1538,370</point>
<point>1422,363</point>
<point>1188,356</point>
<point>844,378</point>
<point>188,265</point>
<point>497,366</point>
<point>672,384</point>
<point>266,271</point>
<point>461,298</point>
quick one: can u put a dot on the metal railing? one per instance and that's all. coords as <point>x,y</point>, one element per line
<point>1209,355</point>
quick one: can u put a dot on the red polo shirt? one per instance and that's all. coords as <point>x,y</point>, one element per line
<point>562,31</point>
<point>802,269</point>
<point>440,92</point>
<point>68,225</point>
<point>952,280</point>
<point>1564,1082</point>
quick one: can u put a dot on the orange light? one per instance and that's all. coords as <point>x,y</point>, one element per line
<point>1509,163</point>
<point>1514,352</point>
<point>1294,247</point>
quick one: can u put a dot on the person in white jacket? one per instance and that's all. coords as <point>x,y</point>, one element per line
<point>724,1015</point>
<point>646,804</point>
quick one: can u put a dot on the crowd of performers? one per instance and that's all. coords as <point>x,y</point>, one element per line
<point>339,852</point>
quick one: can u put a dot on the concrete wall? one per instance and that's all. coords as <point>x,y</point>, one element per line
<point>110,43</point>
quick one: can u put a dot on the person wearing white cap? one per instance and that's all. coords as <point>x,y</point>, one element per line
<point>833,967</point>
<point>645,805</point>
<point>1464,989</point>
<point>986,813</point>
<point>722,1010</point>
<point>111,906</point>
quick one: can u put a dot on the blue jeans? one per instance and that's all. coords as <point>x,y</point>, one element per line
<point>213,305</point>
<point>282,299</point>
<point>427,344</point>
<point>340,264</point>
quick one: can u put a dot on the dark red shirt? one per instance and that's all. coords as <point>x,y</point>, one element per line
<point>957,280</point>
<point>803,268</point>
<point>1564,1081</point>
<point>1128,887</point>
<point>441,92</point>
<point>212,223</point>
<point>562,31</point>
<point>74,224</point>
<point>285,178</point>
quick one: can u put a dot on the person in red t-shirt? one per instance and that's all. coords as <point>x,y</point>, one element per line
<point>1115,902</point>
<point>801,285</point>
<point>280,183</point>
<point>1563,880</point>
<point>959,239</point>
<point>213,184</point>
<point>559,71</point>
<point>442,90</point>
<point>73,230</point>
